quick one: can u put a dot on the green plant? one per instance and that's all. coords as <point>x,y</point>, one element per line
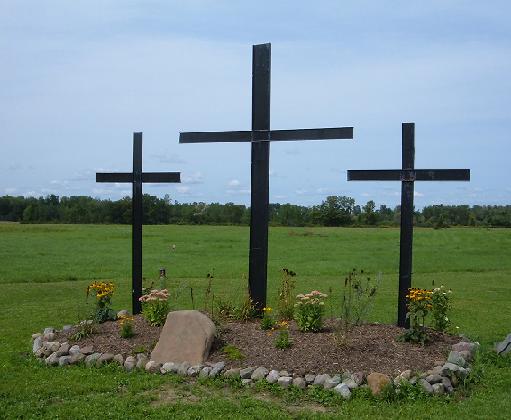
<point>126,326</point>
<point>282,341</point>
<point>358,297</point>
<point>246,310</point>
<point>84,329</point>
<point>140,349</point>
<point>232,352</point>
<point>440,306</point>
<point>419,305</point>
<point>285,305</point>
<point>267,321</point>
<point>155,306</point>
<point>309,309</point>
<point>104,292</point>
<point>224,309</point>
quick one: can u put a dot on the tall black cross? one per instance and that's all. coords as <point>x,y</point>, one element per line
<point>260,137</point>
<point>407,175</point>
<point>136,178</point>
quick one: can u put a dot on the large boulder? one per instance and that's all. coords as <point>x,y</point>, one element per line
<point>187,336</point>
<point>377,381</point>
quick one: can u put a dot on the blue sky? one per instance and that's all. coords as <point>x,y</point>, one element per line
<point>79,77</point>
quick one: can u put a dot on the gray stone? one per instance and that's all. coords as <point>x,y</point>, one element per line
<point>63,349</point>
<point>49,337</point>
<point>345,375</point>
<point>77,358</point>
<point>152,367</point>
<point>358,377</point>
<point>446,382</point>
<point>350,383</point>
<point>217,369</point>
<point>130,363</point>
<point>449,368</point>
<point>169,367</point>
<point>74,349</point>
<point>119,359</point>
<point>438,389</point>
<point>437,370</point>
<point>456,358</point>
<point>91,359</point>
<point>67,328</point>
<point>194,370</point>
<point>504,346</point>
<point>466,355</point>
<point>232,373</point>
<point>284,373</point>
<point>122,313</point>
<point>87,350</point>
<point>332,382</point>
<point>183,368</point>
<point>343,390</point>
<point>246,373</point>
<point>246,382</point>
<point>321,379</point>
<point>52,346</point>
<point>299,382</point>
<point>426,386</point>
<point>48,330</point>
<point>468,346</point>
<point>439,363</point>
<point>37,344</point>
<point>64,360</point>
<point>52,359</point>
<point>273,376</point>
<point>34,336</point>
<point>204,373</point>
<point>142,360</point>
<point>186,337</point>
<point>104,359</point>
<point>309,378</point>
<point>285,381</point>
<point>434,379</point>
<point>259,373</point>
<point>86,322</point>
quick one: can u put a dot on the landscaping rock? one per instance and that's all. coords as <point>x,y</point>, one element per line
<point>439,362</point>
<point>74,349</point>
<point>332,382</point>
<point>299,382</point>
<point>446,382</point>
<point>426,386</point>
<point>466,355</point>
<point>49,337</point>
<point>63,349</point>
<point>36,335</point>
<point>169,367</point>
<point>64,360</point>
<point>504,346</point>
<point>246,373</point>
<point>66,328</point>
<point>142,360</point>
<point>119,359</point>
<point>216,369</point>
<point>284,373</point>
<point>204,373</point>
<point>321,379</point>
<point>467,346</point>
<point>438,389</point>
<point>186,336</point>
<point>52,346</point>
<point>437,370</point>
<point>52,359</point>
<point>259,373</point>
<point>87,350</point>
<point>273,376</point>
<point>37,344</point>
<point>77,358</point>
<point>122,313</point>
<point>309,379</point>
<point>358,377</point>
<point>350,383</point>
<point>183,368</point>
<point>434,379</point>
<point>130,363</point>
<point>246,382</point>
<point>343,390</point>
<point>91,359</point>
<point>194,370</point>
<point>104,359</point>
<point>456,358</point>
<point>152,367</point>
<point>48,330</point>
<point>232,373</point>
<point>377,382</point>
<point>285,381</point>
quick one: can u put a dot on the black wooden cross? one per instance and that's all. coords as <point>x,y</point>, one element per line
<point>137,177</point>
<point>260,137</point>
<point>407,175</point>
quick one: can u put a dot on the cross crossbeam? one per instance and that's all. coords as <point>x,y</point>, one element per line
<point>137,177</point>
<point>407,175</point>
<point>260,137</point>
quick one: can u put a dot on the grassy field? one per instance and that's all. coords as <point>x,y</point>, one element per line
<point>44,270</point>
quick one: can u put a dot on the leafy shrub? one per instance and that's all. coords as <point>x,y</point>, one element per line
<point>84,329</point>
<point>245,311</point>
<point>282,342</point>
<point>224,308</point>
<point>155,306</point>
<point>104,292</point>
<point>309,309</point>
<point>285,306</point>
<point>441,305</point>
<point>267,322</point>
<point>418,304</point>
<point>126,326</point>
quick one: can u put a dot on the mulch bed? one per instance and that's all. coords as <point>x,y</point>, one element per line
<point>370,347</point>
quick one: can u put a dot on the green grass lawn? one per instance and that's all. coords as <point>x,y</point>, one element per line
<point>44,270</point>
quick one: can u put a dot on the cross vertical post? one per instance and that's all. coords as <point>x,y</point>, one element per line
<point>136,251</point>
<point>406,231</point>
<point>260,174</point>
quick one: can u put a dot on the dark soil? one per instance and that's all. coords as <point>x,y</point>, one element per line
<point>369,347</point>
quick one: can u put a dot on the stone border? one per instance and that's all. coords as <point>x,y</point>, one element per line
<point>442,379</point>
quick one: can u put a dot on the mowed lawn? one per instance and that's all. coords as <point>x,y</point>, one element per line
<point>44,270</point>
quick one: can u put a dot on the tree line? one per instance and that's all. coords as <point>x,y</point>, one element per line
<point>333,211</point>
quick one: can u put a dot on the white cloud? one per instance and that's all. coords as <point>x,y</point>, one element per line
<point>234,183</point>
<point>193,178</point>
<point>418,194</point>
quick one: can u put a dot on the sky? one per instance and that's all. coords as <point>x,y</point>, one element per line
<point>79,77</point>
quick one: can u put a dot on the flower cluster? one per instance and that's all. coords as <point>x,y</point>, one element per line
<point>418,295</point>
<point>441,305</point>
<point>155,295</point>
<point>104,291</point>
<point>126,326</point>
<point>309,310</point>
<point>313,298</point>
